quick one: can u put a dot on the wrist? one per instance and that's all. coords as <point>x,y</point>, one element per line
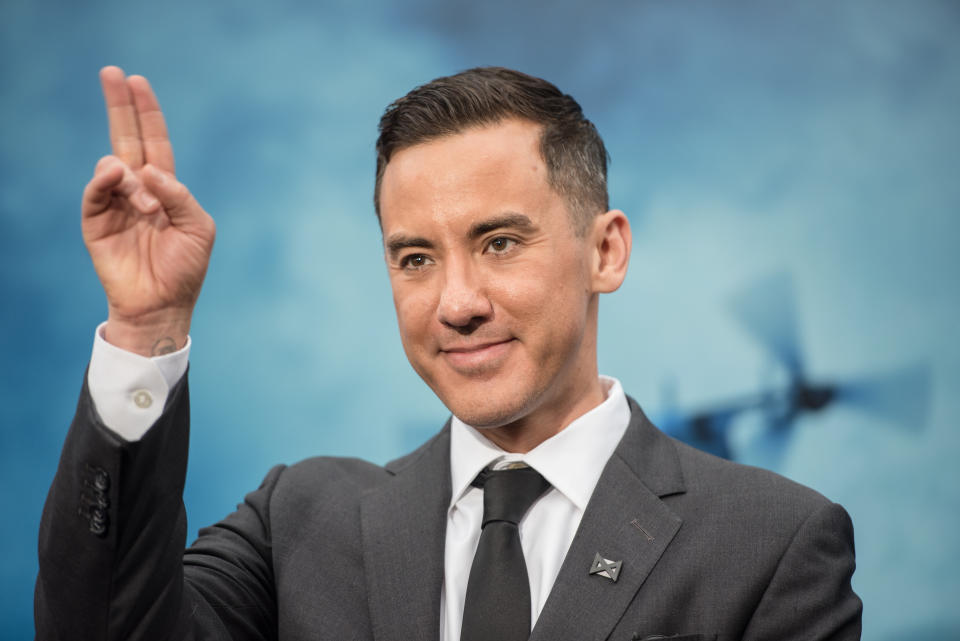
<point>150,335</point>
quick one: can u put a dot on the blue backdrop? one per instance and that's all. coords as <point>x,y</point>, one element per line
<point>815,139</point>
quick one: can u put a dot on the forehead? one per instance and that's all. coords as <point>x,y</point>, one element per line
<point>466,174</point>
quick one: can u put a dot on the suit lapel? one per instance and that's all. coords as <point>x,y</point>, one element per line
<point>624,521</point>
<point>403,527</point>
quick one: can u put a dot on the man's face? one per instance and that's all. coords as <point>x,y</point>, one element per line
<point>491,284</point>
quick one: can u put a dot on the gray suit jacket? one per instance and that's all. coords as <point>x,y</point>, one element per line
<point>343,549</point>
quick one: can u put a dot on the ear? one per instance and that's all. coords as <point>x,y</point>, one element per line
<point>610,241</point>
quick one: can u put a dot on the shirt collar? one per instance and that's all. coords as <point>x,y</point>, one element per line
<point>571,460</point>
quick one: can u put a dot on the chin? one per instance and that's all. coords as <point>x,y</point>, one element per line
<point>496,410</point>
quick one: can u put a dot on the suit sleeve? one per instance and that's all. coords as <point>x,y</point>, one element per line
<point>809,596</point>
<point>112,536</point>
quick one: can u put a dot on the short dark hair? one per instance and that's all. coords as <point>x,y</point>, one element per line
<point>571,148</point>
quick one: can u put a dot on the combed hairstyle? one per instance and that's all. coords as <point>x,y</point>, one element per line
<point>570,146</point>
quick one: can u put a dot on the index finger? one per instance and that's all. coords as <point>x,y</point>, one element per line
<point>157,149</point>
<point>122,116</point>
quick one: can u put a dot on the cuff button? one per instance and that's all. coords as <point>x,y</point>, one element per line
<point>142,399</point>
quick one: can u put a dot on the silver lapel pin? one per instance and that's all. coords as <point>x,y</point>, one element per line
<point>606,567</point>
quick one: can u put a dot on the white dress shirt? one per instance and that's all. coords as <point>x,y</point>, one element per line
<point>129,392</point>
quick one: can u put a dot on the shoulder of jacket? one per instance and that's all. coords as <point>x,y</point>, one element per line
<point>717,478</point>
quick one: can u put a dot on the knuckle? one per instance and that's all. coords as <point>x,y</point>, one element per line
<point>127,144</point>
<point>127,141</point>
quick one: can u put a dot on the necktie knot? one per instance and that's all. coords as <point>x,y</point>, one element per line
<point>508,494</point>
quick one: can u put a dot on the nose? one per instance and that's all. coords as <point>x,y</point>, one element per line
<point>463,304</point>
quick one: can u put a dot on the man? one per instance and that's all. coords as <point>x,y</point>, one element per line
<point>491,194</point>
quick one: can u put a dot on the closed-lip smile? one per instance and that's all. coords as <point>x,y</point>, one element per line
<point>470,358</point>
<point>459,349</point>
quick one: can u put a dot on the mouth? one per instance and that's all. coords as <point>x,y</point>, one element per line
<point>472,359</point>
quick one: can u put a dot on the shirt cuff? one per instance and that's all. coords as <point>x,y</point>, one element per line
<point>129,391</point>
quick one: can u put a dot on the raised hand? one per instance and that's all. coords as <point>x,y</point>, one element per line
<point>149,239</point>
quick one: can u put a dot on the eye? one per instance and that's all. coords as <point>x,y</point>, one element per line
<point>414,262</point>
<point>501,245</point>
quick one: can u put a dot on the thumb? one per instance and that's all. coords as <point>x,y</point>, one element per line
<point>177,201</point>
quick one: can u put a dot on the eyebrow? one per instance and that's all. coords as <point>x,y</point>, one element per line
<point>398,242</point>
<point>509,220</point>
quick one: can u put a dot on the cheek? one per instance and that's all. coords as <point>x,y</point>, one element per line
<point>549,301</point>
<point>414,314</point>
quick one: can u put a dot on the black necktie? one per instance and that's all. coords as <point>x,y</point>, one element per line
<point>497,606</point>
